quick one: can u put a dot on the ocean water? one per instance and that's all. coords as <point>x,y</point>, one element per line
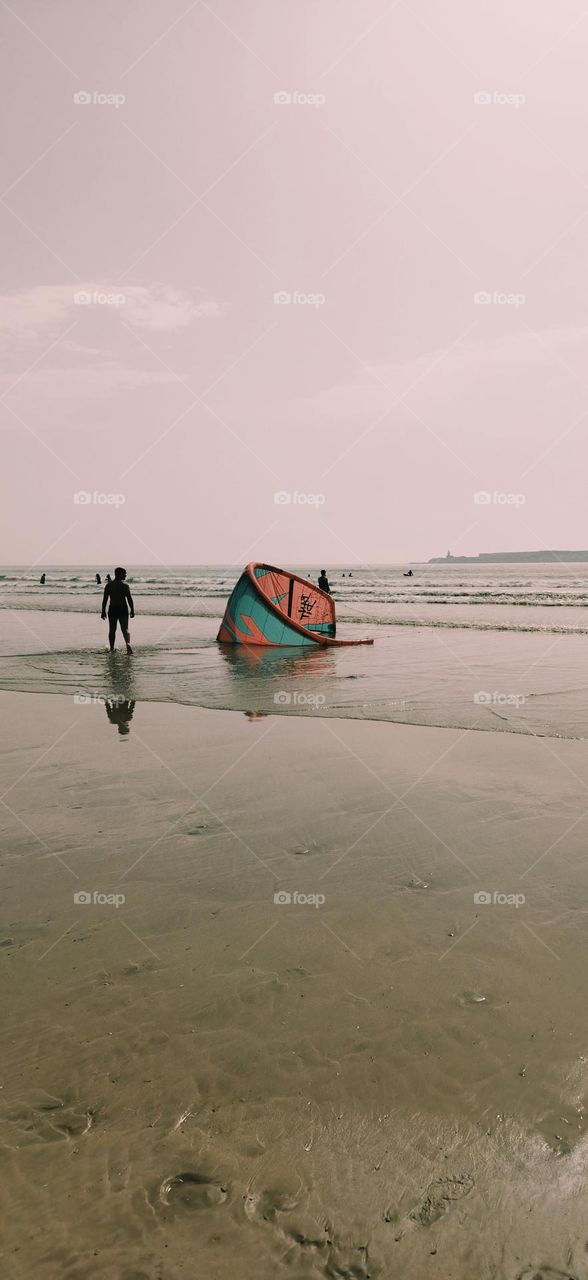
<point>491,595</point>
<point>499,647</point>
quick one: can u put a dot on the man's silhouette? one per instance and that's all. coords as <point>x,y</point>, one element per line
<point>323,582</point>
<point>119,599</point>
<point>120,712</point>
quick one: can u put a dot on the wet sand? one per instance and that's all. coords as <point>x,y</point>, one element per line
<point>203,1081</point>
<point>493,681</point>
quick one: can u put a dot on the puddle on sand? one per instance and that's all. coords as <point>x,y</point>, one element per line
<point>191,1191</point>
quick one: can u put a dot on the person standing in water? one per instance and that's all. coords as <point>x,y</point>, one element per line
<point>118,597</point>
<point>324,582</point>
<point>98,580</point>
<point>42,579</point>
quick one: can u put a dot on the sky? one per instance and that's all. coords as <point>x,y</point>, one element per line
<point>296,282</point>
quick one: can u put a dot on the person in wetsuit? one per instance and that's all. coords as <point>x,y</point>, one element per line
<point>118,597</point>
<point>323,582</point>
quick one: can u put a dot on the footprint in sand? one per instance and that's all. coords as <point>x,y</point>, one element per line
<point>467,998</point>
<point>204,827</point>
<point>349,1264</point>
<point>545,1273</point>
<point>51,1119</point>
<point>414,883</point>
<point>191,1191</point>
<point>305,849</point>
<point>266,1204</point>
<point>317,1242</point>
<point>138,968</point>
<point>439,1197</point>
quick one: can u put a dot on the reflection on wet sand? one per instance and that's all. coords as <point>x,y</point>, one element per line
<point>118,675</point>
<point>120,712</point>
<point>286,661</point>
<point>119,691</point>
<point>273,678</point>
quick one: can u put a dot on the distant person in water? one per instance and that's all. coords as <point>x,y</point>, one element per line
<point>98,580</point>
<point>108,578</point>
<point>409,574</point>
<point>119,600</point>
<point>42,580</point>
<point>324,582</point>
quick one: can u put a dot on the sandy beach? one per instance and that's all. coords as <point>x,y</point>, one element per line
<point>294,640</point>
<point>277,1034</point>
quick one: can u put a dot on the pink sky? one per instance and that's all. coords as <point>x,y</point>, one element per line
<point>429,154</point>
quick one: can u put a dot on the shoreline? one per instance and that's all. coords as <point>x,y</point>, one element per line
<point>511,682</point>
<point>373,620</point>
<point>103,699</point>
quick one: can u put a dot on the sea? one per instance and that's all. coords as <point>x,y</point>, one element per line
<point>496,647</point>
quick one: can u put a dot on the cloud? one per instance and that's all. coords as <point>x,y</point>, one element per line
<point>163,308</point>
<point>49,336</point>
<point>50,385</point>
<point>30,315</point>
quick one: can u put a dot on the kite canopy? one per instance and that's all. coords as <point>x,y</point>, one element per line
<point>270,606</point>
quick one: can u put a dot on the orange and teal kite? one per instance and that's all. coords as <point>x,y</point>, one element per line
<point>270,606</point>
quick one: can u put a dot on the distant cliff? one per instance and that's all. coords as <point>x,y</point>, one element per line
<point>512,557</point>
